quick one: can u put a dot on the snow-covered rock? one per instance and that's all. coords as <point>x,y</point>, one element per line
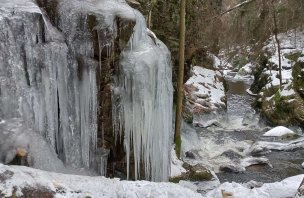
<point>279,131</point>
<point>264,147</point>
<point>205,95</point>
<point>17,181</point>
<point>177,168</point>
<point>286,188</point>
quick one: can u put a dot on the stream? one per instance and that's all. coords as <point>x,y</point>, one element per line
<point>241,128</point>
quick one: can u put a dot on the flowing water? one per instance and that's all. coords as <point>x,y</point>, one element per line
<point>241,129</point>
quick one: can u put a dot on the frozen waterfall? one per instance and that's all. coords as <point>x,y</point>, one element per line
<point>48,79</point>
<point>51,64</point>
<point>145,89</point>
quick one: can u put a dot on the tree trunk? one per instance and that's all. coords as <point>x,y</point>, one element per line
<point>180,80</point>
<point>275,32</point>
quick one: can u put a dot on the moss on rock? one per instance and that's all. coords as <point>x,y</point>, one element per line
<point>194,173</point>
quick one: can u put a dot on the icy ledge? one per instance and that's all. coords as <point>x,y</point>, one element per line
<point>17,180</point>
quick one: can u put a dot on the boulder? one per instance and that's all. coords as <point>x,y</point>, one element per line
<point>205,97</point>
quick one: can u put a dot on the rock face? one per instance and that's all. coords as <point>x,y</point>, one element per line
<point>205,97</point>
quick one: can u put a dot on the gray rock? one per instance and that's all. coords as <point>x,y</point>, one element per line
<point>231,168</point>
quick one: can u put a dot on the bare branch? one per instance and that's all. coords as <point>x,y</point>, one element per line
<point>236,6</point>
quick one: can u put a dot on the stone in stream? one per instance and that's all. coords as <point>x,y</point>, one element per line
<point>231,154</point>
<point>300,193</point>
<point>190,154</point>
<point>231,168</point>
<point>194,173</point>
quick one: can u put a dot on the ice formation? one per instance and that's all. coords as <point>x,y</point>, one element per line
<point>145,112</point>
<point>47,81</point>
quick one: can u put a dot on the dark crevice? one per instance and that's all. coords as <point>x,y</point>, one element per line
<point>23,54</point>
<point>50,7</point>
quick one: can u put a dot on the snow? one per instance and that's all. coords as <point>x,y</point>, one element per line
<point>176,165</point>
<point>208,92</point>
<point>214,89</point>
<point>286,188</point>
<point>72,186</point>
<point>289,45</point>
<point>216,61</point>
<point>279,131</point>
<point>264,146</point>
<point>250,92</point>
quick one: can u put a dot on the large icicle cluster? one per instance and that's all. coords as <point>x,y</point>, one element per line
<point>48,80</point>
<point>145,111</point>
<point>48,77</point>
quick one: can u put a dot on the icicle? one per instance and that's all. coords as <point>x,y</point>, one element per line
<point>145,114</point>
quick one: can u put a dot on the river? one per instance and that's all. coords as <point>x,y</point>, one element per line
<point>241,128</point>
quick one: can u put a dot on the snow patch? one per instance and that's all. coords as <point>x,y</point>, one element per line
<point>279,131</point>
<point>71,186</point>
<point>286,188</point>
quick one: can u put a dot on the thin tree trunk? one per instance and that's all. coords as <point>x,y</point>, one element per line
<point>150,18</point>
<point>180,80</point>
<point>275,32</point>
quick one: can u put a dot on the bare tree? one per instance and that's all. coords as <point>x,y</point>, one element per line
<point>275,33</point>
<point>180,80</point>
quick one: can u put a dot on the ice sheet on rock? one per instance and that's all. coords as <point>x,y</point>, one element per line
<point>279,131</point>
<point>145,109</point>
<point>263,146</point>
<point>69,186</point>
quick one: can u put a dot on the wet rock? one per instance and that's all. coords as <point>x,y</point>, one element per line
<point>202,96</point>
<point>209,123</point>
<point>199,173</point>
<point>257,150</point>
<point>249,161</point>
<point>300,193</point>
<point>204,103</point>
<point>231,154</point>
<point>190,154</point>
<point>194,173</point>
<point>31,192</point>
<point>231,168</point>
